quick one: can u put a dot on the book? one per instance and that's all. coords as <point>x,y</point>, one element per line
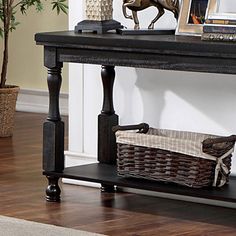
<point>220,21</point>
<point>217,28</point>
<point>218,37</point>
<point>222,16</point>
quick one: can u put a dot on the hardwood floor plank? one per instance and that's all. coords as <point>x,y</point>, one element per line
<point>22,189</point>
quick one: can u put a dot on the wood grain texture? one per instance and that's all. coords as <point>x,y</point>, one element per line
<point>22,195</point>
<point>166,52</point>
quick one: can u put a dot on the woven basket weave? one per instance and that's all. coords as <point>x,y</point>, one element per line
<point>211,167</point>
<point>8,96</point>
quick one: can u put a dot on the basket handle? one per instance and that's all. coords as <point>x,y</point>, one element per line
<point>142,127</point>
<point>210,141</point>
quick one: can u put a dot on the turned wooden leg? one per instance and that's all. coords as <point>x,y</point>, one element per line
<point>107,119</point>
<point>53,129</point>
<point>53,190</point>
<point>53,135</point>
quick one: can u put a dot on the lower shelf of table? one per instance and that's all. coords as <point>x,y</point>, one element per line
<point>106,174</point>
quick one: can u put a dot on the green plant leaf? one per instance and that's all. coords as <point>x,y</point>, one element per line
<point>1,32</point>
<point>60,5</point>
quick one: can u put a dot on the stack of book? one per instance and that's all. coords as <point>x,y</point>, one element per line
<point>219,29</point>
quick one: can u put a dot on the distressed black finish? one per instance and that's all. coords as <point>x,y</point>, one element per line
<point>53,128</point>
<point>107,119</point>
<point>166,52</point>
<point>106,174</point>
<point>53,190</point>
<point>108,77</point>
<point>99,27</point>
<point>53,146</point>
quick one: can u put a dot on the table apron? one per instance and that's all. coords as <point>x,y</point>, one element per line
<point>148,60</point>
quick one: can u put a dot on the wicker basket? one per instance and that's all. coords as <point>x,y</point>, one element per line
<point>8,96</point>
<point>186,158</point>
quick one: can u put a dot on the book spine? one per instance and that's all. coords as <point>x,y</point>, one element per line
<point>218,37</point>
<point>219,29</point>
<point>221,22</point>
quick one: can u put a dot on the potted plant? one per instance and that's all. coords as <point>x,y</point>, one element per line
<point>8,93</point>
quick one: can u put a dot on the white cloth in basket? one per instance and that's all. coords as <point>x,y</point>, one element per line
<point>188,143</point>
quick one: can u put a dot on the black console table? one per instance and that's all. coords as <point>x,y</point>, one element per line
<point>167,52</point>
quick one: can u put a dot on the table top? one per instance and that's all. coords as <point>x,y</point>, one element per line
<point>186,53</point>
<point>157,43</point>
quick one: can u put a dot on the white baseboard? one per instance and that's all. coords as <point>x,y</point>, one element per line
<point>77,159</point>
<point>37,101</point>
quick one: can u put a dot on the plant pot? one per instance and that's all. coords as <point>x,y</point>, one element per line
<point>8,97</point>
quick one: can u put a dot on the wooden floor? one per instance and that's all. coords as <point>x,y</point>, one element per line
<point>22,195</point>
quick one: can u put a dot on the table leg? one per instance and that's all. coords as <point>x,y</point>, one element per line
<point>53,135</point>
<point>106,120</point>
<point>53,190</point>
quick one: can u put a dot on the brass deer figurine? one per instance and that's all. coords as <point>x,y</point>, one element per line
<point>138,5</point>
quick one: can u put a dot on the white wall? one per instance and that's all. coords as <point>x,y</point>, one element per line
<point>229,7</point>
<point>75,86</point>
<point>198,102</point>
